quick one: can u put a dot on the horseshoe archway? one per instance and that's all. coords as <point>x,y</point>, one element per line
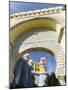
<point>52,47</point>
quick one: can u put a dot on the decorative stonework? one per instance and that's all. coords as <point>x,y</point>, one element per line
<point>38,12</point>
<point>50,45</point>
<point>53,46</point>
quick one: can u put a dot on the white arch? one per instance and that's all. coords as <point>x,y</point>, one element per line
<point>52,46</point>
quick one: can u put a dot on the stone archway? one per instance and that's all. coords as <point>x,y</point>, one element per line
<point>35,23</point>
<point>52,46</point>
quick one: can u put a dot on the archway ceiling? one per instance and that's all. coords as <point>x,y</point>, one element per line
<point>25,26</point>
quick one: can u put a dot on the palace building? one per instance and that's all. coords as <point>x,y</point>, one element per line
<point>42,30</point>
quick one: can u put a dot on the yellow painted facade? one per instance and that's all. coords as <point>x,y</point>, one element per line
<point>51,20</point>
<point>32,24</point>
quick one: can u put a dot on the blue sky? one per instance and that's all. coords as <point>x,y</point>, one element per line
<point>16,7</point>
<point>51,62</point>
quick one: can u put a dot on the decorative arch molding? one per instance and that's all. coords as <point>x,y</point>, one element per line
<point>50,46</point>
<point>38,22</point>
